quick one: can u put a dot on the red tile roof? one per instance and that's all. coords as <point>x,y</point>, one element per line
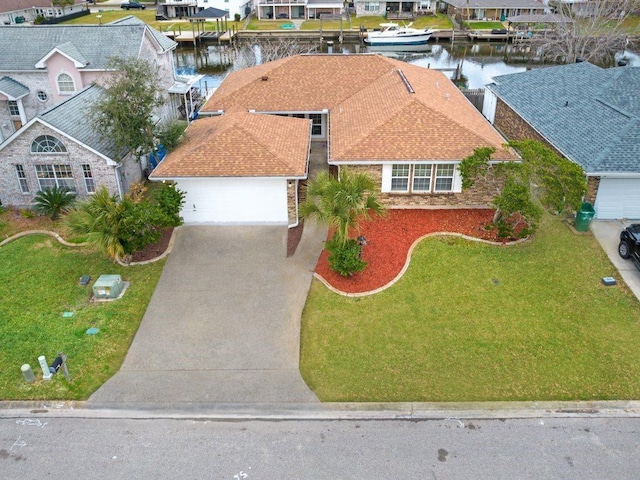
<point>240,145</point>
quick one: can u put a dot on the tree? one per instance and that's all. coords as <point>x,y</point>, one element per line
<point>53,201</point>
<point>125,113</point>
<point>594,34</point>
<point>542,179</point>
<point>62,3</point>
<point>268,50</point>
<point>341,201</point>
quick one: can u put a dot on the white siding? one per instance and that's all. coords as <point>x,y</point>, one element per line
<point>489,105</point>
<point>618,198</point>
<point>235,200</point>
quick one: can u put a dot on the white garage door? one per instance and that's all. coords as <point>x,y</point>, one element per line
<point>235,200</point>
<point>618,198</point>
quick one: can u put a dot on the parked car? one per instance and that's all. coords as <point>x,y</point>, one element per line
<point>130,5</point>
<point>629,246</point>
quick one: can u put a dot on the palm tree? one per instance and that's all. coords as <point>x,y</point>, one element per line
<point>341,201</point>
<point>100,220</point>
<point>53,201</point>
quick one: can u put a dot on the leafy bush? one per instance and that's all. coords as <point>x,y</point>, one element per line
<point>53,201</point>
<point>344,258</point>
<point>170,200</point>
<point>171,133</point>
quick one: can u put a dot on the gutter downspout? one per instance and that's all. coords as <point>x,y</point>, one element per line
<point>118,183</point>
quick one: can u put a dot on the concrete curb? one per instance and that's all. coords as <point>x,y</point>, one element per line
<point>42,232</point>
<point>408,262</point>
<point>325,411</point>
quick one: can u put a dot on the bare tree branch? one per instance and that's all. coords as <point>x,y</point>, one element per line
<point>247,55</point>
<point>595,33</point>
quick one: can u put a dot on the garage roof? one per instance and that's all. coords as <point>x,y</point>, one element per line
<point>240,145</point>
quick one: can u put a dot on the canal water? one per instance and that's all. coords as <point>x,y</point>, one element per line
<point>471,65</point>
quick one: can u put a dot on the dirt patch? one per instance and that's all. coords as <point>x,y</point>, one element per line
<point>293,238</point>
<point>389,240</point>
<point>154,250</point>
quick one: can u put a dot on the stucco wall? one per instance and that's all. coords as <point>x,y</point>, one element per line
<point>480,195</point>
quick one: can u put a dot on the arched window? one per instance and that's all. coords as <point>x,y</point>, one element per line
<point>47,144</point>
<point>65,83</point>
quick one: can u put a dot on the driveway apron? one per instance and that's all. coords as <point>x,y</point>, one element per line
<point>223,324</point>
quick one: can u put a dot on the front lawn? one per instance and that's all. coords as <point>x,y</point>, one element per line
<point>474,322</point>
<point>40,283</point>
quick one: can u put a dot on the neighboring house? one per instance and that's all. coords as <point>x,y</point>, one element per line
<point>298,9</point>
<point>407,126</point>
<point>60,148</point>
<point>589,115</point>
<point>42,65</point>
<point>497,10</point>
<point>579,8</point>
<point>394,9</point>
<point>189,8</point>
<point>25,11</point>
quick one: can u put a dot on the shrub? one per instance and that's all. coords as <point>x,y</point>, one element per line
<point>53,201</point>
<point>237,17</point>
<point>171,133</point>
<point>344,258</point>
<point>170,200</point>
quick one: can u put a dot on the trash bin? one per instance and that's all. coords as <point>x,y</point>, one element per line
<point>584,217</point>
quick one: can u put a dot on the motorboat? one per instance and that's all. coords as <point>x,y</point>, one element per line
<point>394,34</point>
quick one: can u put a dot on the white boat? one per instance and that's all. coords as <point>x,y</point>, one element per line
<point>394,34</point>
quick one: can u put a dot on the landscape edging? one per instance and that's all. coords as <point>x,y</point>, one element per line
<point>408,261</point>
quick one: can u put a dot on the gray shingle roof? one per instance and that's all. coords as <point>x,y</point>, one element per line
<point>72,118</point>
<point>71,50</point>
<point>12,88</point>
<point>22,46</point>
<point>590,114</point>
<point>211,12</point>
<point>165,42</point>
<point>497,4</point>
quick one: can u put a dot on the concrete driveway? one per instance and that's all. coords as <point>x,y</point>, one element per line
<point>223,324</point>
<point>607,232</point>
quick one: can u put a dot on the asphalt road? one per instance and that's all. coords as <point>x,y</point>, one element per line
<point>76,448</point>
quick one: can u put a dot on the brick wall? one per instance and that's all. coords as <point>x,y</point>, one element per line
<point>592,190</point>
<point>18,152</point>
<point>480,195</point>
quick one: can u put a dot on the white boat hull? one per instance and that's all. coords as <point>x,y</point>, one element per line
<point>378,39</point>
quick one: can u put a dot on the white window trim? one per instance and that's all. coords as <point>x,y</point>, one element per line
<point>24,191</point>
<point>386,180</point>
<point>75,89</point>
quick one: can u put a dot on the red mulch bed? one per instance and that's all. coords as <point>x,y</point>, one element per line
<point>389,240</point>
<point>154,250</point>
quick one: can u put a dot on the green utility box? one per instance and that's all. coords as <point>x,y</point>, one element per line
<point>584,217</point>
<point>108,286</point>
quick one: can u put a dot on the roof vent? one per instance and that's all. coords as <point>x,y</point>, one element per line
<point>406,82</point>
<point>264,78</point>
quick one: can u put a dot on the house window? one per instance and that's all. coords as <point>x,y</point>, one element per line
<point>42,96</point>
<point>47,144</point>
<point>22,179</point>
<point>316,124</point>
<point>65,84</point>
<point>444,177</point>
<point>421,178</point>
<point>14,111</point>
<point>400,178</point>
<point>371,6</point>
<point>50,176</point>
<point>88,178</point>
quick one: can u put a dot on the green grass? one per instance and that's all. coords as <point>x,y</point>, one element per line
<point>545,329</point>
<point>485,25</point>
<point>39,283</point>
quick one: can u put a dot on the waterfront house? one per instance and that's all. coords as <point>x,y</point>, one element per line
<point>407,126</point>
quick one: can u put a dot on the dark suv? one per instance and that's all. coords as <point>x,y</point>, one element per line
<point>630,243</point>
<point>130,5</point>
